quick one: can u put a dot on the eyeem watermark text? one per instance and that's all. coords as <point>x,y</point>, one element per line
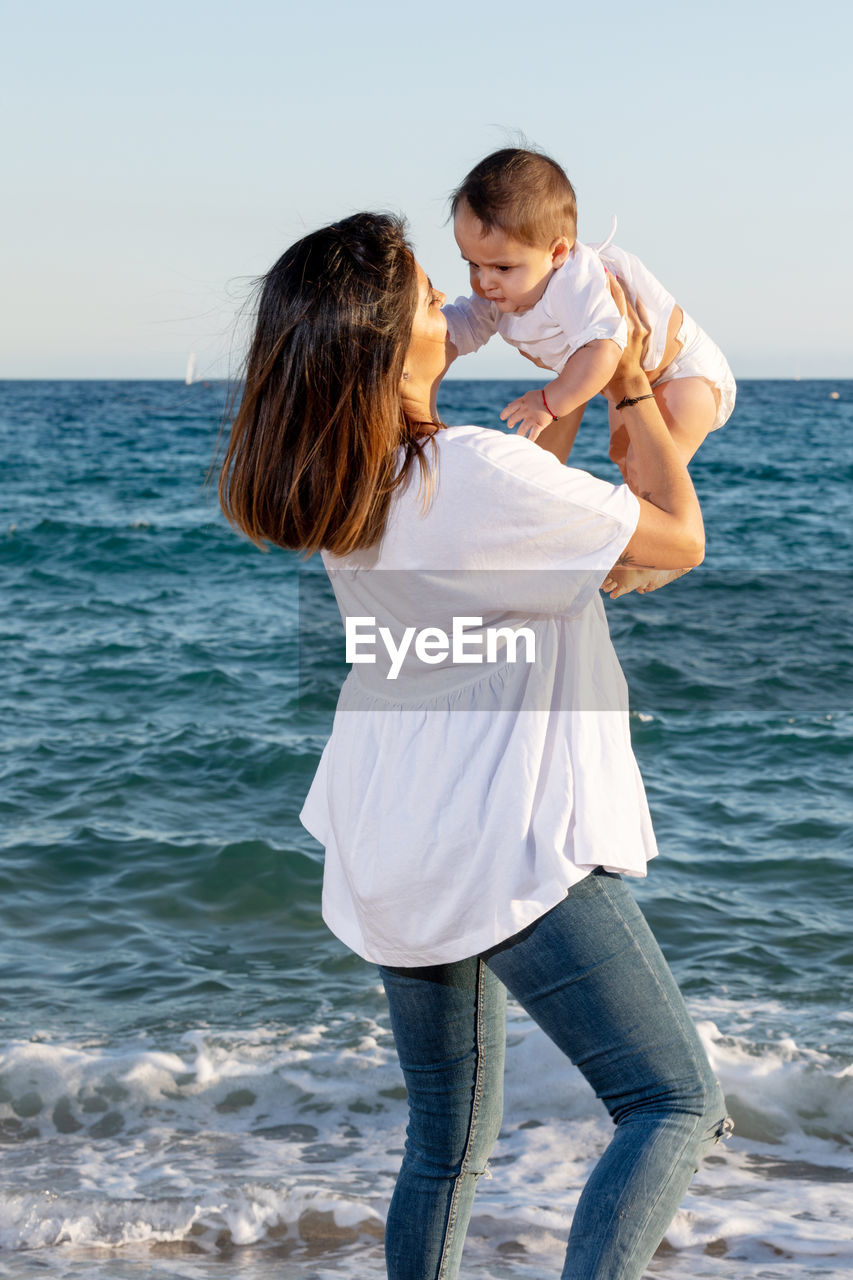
<point>433,645</point>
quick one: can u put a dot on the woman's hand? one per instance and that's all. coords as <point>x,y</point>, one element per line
<point>630,377</point>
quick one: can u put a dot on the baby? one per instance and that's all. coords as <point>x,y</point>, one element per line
<point>534,283</point>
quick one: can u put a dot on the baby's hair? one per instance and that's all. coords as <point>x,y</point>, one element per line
<point>522,193</point>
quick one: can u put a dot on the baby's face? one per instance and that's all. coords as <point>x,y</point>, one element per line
<point>511,274</point>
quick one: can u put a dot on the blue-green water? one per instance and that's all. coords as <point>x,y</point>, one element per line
<point>194,1075</point>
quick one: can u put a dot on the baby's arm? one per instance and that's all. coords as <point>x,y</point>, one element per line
<point>470,324</point>
<point>584,374</point>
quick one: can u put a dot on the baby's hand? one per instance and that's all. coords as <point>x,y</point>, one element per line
<point>621,580</point>
<point>529,412</point>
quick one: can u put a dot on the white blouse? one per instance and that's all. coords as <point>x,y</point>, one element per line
<point>458,798</point>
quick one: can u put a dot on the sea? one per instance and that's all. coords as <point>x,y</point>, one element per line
<point>196,1079</point>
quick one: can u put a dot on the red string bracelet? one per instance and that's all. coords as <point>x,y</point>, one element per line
<point>548,407</point>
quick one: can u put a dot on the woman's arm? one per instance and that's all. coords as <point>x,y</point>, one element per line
<point>559,437</point>
<point>670,533</point>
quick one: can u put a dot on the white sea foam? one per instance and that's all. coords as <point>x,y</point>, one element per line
<point>292,1137</point>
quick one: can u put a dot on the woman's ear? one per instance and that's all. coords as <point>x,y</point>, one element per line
<point>560,250</point>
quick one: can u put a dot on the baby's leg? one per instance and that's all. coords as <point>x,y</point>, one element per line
<point>689,409</point>
<point>688,406</point>
<point>559,437</point>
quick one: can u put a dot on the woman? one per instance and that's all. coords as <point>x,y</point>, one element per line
<point>468,854</point>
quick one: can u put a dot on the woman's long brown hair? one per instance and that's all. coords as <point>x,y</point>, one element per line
<point>312,461</point>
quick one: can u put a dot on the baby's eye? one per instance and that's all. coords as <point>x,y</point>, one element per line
<point>504,268</point>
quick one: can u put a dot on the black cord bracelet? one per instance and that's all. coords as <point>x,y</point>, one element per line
<point>627,402</point>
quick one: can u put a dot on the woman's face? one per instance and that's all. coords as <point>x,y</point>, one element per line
<point>426,356</point>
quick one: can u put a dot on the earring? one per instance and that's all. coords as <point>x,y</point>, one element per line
<point>406,376</point>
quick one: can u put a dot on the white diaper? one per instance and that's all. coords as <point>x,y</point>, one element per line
<point>700,357</point>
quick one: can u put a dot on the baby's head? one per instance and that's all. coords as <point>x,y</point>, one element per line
<point>515,220</point>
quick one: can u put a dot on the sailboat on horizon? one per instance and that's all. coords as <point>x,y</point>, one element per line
<point>190,370</point>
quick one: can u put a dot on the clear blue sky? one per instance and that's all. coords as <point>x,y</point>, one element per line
<point>159,155</point>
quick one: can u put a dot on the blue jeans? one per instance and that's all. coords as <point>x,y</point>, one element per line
<point>593,977</point>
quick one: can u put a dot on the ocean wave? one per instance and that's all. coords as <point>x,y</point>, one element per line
<point>165,706</point>
<point>258,1136</point>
